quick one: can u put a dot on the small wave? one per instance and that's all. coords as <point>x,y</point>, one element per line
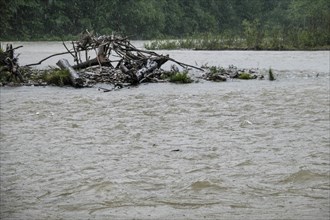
<point>204,184</point>
<point>190,204</point>
<point>240,206</point>
<point>245,163</point>
<point>303,176</point>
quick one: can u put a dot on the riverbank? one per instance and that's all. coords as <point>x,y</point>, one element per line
<point>219,43</point>
<point>309,63</point>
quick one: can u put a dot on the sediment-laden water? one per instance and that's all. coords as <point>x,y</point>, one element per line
<point>233,150</point>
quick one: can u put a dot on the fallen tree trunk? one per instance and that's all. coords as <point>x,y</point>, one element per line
<point>74,77</point>
<point>149,67</point>
<point>92,62</point>
<point>134,65</point>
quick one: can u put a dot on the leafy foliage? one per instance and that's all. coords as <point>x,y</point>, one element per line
<point>271,75</point>
<point>261,23</point>
<point>244,76</point>
<point>180,77</point>
<point>57,77</point>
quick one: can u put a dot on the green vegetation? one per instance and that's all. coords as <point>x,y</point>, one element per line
<point>57,77</point>
<point>245,76</point>
<point>214,24</point>
<point>54,76</point>
<point>5,77</point>
<point>180,77</point>
<point>215,73</point>
<point>271,75</point>
<point>251,40</point>
<point>197,42</point>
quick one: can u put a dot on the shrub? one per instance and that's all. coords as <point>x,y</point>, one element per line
<point>179,77</point>
<point>271,75</point>
<point>244,76</point>
<point>5,76</point>
<point>57,77</point>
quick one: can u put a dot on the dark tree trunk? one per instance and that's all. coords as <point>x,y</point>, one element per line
<point>74,77</point>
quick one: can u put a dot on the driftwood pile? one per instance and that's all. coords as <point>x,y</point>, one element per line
<point>218,74</point>
<point>9,63</point>
<point>115,61</point>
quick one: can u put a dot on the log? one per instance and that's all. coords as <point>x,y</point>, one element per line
<point>101,54</point>
<point>92,62</point>
<point>74,77</point>
<point>123,68</point>
<point>149,67</point>
<point>135,65</point>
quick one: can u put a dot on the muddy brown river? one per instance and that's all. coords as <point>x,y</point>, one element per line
<point>233,150</point>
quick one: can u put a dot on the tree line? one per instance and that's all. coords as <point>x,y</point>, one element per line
<point>303,23</point>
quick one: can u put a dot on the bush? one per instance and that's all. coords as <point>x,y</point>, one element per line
<point>57,77</point>
<point>162,44</point>
<point>253,33</point>
<point>245,76</point>
<point>5,76</point>
<point>179,77</point>
<point>271,75</point>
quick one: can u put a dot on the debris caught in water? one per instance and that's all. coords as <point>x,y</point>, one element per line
<point>119,63</point>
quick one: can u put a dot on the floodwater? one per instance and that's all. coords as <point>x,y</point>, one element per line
<point>233,150</point>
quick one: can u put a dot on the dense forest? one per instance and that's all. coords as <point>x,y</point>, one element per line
<point>302,23</point>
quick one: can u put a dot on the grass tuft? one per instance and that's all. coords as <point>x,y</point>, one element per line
<point>180,77</point>
<point>57,77</point>
<point>245,76</point>
<point>271,75</point>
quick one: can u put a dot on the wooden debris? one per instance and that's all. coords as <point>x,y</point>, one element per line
<point>114,60</point>
<point>118,55</point>
<point>9,63</point>
<point>219,74</point>
<point>74,77</point>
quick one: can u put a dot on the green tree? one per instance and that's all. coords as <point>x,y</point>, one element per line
<point>311,21</point>
<point>16,19</point>
<point>299,23</point>
<point>253,33</point>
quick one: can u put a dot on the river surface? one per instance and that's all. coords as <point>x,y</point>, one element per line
<point>233,150</point>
